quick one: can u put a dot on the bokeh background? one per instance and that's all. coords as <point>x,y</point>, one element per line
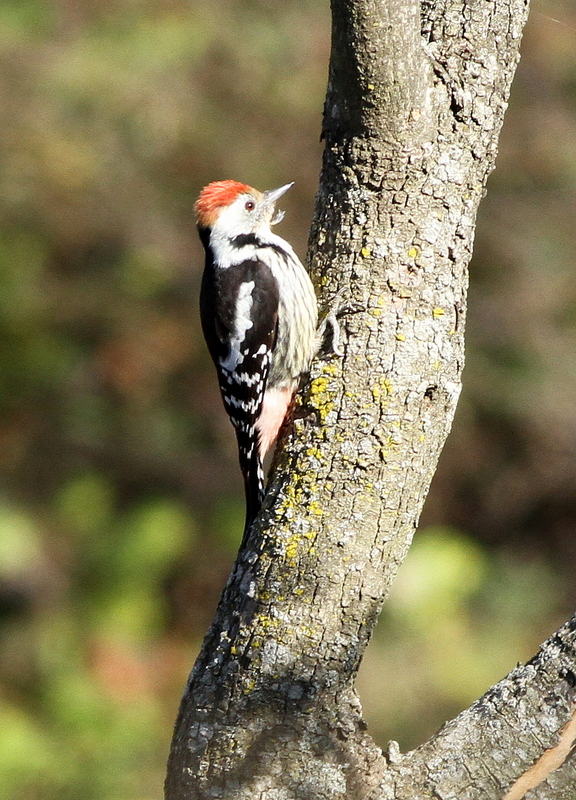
<point>120,498</point>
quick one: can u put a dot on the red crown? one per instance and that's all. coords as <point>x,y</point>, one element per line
<point>214,197</point>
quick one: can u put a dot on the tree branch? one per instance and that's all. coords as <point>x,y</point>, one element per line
<point>378,70</point>
<point>499,738</point>
<point>550,761</point>
<point>415,103</point>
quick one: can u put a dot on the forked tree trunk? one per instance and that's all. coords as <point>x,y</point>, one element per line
<point>415,102</point>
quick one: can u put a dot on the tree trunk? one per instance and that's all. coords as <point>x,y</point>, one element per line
<point>416,98</point>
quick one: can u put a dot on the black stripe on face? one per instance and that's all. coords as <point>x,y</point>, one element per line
<point>251,240</point>
<point>244,240</point>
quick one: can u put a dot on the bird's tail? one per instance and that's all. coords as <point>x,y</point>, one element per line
<point>251,466</point>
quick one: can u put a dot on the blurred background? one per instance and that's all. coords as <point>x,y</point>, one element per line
<point>120,498</point>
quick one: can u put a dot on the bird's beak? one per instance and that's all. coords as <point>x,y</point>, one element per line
<point>270,198</point>
<point>273,194</point>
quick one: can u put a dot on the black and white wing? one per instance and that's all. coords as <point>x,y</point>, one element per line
<point>239,315</point>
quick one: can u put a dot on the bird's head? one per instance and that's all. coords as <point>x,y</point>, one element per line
<point>237,208</point>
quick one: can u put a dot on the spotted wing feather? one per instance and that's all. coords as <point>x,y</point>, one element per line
<point>239,315</point>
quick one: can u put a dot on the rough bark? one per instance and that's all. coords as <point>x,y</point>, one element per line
<point>415,101</point>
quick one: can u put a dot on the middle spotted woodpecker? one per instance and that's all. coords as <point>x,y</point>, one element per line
<point>259,317</point>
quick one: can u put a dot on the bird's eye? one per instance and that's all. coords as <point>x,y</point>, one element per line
<point>249,205</point>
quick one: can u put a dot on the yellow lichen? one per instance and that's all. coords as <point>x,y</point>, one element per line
<point>320,398</point>
<point>315,508</point>
<point>382,389</point>
<point>314,452</point>
<point>332,369</point>
<point>265,621</point>
<point>318,385</point>
<point>387,385</point>
<point>292,547</point>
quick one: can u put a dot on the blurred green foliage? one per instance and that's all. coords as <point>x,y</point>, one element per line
<point>120,499</point>
<point>454,624</point>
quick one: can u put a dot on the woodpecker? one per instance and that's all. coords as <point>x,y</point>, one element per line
<point>259,317</point>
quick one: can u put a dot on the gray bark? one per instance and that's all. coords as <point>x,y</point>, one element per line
<point>416,97</point>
